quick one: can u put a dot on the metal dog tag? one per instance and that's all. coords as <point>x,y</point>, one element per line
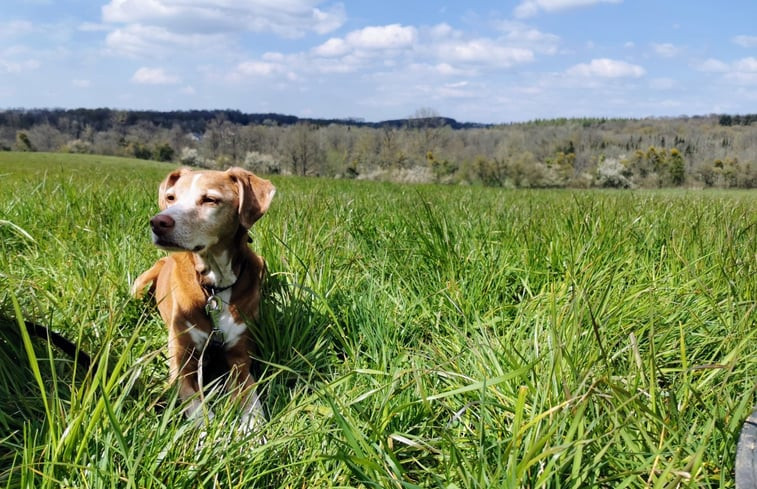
<point>213,309</point>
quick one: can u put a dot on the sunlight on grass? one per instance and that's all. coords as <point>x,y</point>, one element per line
<point>410,336</point>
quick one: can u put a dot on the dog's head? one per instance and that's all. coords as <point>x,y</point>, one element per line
<point>202,208</point>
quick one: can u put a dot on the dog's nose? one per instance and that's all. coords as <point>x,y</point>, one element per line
<point>162,223</point>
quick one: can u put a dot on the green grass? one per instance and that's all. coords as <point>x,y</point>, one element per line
<point>410,336</point>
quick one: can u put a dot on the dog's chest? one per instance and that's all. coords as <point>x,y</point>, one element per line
<point>228,331</point>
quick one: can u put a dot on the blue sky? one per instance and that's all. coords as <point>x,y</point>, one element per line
<point>479,61</point>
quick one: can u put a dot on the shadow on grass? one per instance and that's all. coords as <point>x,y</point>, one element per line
<point>293,339</point>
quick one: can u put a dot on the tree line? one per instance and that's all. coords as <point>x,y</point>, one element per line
<point>705,151</point>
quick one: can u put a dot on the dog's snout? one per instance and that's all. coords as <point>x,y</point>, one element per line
<point>162,223</point>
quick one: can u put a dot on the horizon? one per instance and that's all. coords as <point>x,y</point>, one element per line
<point>483,62</point>
<point>362,121</point>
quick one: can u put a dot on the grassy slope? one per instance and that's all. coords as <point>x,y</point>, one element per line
<point>430,336</point>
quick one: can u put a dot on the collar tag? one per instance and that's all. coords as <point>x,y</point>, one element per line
<point>213,308</point>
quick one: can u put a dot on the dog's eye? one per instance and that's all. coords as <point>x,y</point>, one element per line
<point>170,198</point>
<point>209,200</point>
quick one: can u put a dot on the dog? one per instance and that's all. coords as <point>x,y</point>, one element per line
<point>209,287</point>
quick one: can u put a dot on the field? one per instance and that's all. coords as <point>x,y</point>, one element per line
<point>410,336</point>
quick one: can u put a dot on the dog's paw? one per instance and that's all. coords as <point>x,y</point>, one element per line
<point>138,290</point>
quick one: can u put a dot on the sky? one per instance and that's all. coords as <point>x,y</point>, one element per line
<point>475,61</point>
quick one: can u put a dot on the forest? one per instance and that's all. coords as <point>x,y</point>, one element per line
<point>717,150</point>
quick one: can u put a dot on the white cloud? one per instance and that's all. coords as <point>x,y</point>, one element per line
<point>746,65</point>
<point>741,72</point>
<point>456,90</point>
<point>392,36</point>
<point>713,66</point>
<point>483,52</point>
<point>151,41</point>
<point>15,28</point>
<point>745,41</point>
<point>666,50</point>
<point>292,18</point>
<point>258,68</point>
<point>530,8</point>
<point>359,49</point>
<point>522,35</point>
<point>10,66</point>
<point>447,69</point>
<point>443,30</point>
<point>333,47</point>
<point>606,68</point>
<point>154,76</point>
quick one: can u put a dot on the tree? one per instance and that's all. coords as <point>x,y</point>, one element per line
<point>23,143</point>
<point>302,148</point>
<point>676,167</point>
<point>163,152</point>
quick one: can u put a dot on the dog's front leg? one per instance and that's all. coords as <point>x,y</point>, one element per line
<point>183,366</point>
<point>243,384</point>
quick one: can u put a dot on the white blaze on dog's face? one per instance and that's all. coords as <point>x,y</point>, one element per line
<point>200,209</point>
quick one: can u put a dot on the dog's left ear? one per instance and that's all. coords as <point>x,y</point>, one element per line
<point>255,195</point>
<point>167,183</point>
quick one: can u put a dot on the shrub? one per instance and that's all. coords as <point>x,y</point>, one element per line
<point>611,174</point>
<point>261,163</point>
<point>163,152</point>
<point>77,146</point>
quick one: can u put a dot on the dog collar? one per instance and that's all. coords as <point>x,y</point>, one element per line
<point>212,290</point>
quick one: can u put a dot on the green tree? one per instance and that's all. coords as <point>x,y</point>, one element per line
<point>163,152</point>
<point>676,167</point>
<point>23,143</point>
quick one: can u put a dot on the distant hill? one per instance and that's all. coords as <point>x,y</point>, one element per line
<point>195,121</point>
<point>717,150</point>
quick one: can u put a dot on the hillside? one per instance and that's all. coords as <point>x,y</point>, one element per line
<point>707,151</point>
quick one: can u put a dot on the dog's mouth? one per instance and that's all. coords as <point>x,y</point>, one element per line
<point>172,246</point>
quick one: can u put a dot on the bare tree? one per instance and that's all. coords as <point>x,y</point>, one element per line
<point>301,146</point>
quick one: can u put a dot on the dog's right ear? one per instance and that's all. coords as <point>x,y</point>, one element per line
<point>168,183</point>
<point>255,195</point>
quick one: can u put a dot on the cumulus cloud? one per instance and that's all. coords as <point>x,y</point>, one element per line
<point>392,36</point>
<point>333,47</point>
<point>713,66</point>
<point>372,38</point>
<point>154,76</point>
<point>745,41</point>
<point>523,35</point>
<point>666,50</point>
<point>13,66</point>
<point>258,68</point>
<point>606,68</point>
<point>530,8</point>
<point>741,72</point>
<point>292,18</point>
<point>153,41</point>
<point>15,28</point>
<point>483,51</point>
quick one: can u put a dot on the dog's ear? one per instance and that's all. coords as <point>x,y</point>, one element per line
<point>255,195</point>
<point>168,183</point>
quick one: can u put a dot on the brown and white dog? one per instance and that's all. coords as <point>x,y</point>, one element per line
<point>209,286</point>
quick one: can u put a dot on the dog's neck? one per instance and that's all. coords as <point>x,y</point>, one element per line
<point>216,269</point>
<point>220,265</point>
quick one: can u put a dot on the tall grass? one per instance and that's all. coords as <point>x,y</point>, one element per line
<point>410,336</point>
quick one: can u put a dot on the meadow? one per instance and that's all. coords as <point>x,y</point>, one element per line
<point>410,336</point>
